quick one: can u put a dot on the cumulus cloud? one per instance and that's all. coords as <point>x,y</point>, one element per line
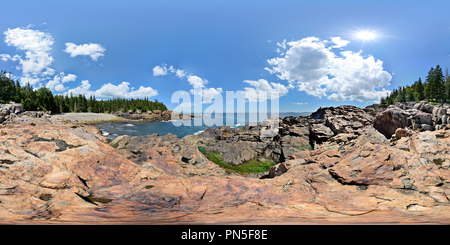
<point>94,50</point>
<point>82,89</point>
<point>199,88</point>
<point>32,80</point>
<point>163,70</point>
<point>56,84</point>
<point>270,90</point>
<point>122,90</point>
<point>159,71</point>
<point>113,91</point>
<point>68,78</point>
<point>197,83</point>
<point>312,66</point>
<point>27,39</point>
<point>36,45</point>
<point>180,73</point>
<point>6,57</point>
<point>339,42</point>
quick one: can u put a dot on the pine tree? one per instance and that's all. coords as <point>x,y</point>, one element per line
<point>429,87</point>
<point>419,89</point>
<point>447,82</point>
<point>439,79</point>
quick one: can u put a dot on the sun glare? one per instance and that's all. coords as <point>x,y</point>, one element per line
<point>366,35</point>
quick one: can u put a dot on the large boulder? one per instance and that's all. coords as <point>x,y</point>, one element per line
<point>392,118</point>
<point>424,106</point>
<point>6,108</point>
<point>241,151</point>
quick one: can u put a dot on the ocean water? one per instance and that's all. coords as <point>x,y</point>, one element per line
<point>195,126</point>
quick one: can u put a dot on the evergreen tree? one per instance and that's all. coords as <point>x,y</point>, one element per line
<point>447,82</point>
<point>439,79</point>
<point>409,95</point>
<point>429,84</point>
<point>419,89</point>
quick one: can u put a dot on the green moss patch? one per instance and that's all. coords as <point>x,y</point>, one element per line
<point>249,167</point>
<point>305,148</point>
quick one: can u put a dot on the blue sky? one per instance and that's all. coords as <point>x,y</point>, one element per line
<point>308,51</point>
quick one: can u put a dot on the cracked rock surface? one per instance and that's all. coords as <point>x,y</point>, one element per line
<point>53,171</point>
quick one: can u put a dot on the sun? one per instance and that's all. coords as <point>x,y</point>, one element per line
<point>366,35</point>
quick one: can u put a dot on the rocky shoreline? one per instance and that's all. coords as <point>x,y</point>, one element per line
<point>155,115</point>
<point>339,165</point>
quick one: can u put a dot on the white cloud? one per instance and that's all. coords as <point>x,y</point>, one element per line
<point>163,71</point>
<point>82,89</point>
<point>123,91</point>
<point>36,45</point>
<point>197,83</point>
<point>199,88</point>
<point>336,97</point>
<point>315,69</point>
<point>32,80</point>
<point>6,57</point>
<point>56,84</point>
<point>271,91</point>
<point>94,50</point>
<point>210,93</point>
<point>180,73</point>
<point>297,103</point>
<point>159,71</point>
<point>339,42</point>
<point>68,78</point>
<point>283,44</point>
<point>30,40</point>
<point>110,90</point>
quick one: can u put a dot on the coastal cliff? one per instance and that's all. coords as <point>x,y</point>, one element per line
<point>339,165</point>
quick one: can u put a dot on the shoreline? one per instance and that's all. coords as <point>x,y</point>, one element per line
<point>90,118</point>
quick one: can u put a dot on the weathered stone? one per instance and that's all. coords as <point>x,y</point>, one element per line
<point>389,120</point>
<point>321,133</point>
<point>427,127</point>
<point>54,173</point>
<point>403,132</point>
<point>277,170</point>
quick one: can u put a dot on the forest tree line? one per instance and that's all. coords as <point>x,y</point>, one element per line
<point>435,89</point>
<point>44,100</point>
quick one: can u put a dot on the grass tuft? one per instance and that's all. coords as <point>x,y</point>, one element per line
<point>249,167</point>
